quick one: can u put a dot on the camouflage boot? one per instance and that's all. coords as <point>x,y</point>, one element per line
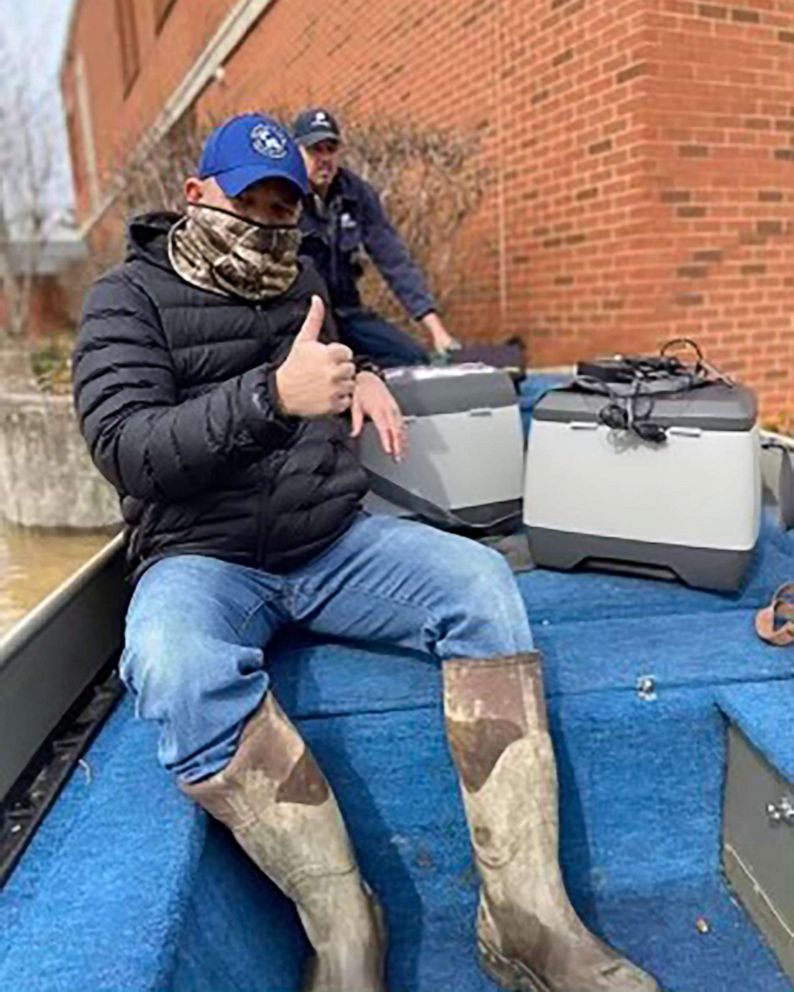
<point>529,935</point>
<point>277,803</point>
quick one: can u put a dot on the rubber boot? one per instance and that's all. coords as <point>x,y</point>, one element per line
<point>529,935</point>
<point>280,808</point>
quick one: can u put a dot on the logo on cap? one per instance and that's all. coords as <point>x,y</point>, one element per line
<point>269,141</point>
<point>321,118</point>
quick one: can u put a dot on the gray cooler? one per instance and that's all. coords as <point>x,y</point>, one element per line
<point>604,497</point>
<point>464,468</point>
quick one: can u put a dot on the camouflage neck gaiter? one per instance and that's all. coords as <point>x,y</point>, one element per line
<point>225,253</point>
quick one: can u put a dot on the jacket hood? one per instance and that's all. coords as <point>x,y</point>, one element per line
<point>147,237</point>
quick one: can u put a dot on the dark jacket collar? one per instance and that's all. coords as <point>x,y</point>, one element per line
<point>341,191</point>
<point>147,237</point>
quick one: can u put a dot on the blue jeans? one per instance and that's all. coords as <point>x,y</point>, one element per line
<point>198,627</point>
<point>369,335</point>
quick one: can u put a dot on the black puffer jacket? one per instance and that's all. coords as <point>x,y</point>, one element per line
<point>173,388</point>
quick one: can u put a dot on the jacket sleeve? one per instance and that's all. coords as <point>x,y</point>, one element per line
<point>141,438</point>
<point>389,253</point>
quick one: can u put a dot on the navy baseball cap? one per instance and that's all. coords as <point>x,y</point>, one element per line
<point>314,125</point>
<point>248,148</point>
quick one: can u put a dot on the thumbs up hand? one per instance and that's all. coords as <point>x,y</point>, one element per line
<point>315,379</point>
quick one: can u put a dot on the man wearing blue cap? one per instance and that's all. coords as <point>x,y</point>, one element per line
<point>212,393</point>
<point>343,217</point>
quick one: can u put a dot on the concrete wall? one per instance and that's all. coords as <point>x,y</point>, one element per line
<point>46,476</point>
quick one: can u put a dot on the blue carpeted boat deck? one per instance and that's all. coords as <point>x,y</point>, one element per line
<point>128,887</point>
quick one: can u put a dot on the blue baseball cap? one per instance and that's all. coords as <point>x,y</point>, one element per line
<point>248,148</point>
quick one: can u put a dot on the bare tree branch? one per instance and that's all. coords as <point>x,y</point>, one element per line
<point>28,216</point>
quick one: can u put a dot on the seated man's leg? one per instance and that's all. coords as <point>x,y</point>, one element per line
<point>371,336</point>
<point>407,584</point>
<point>194,660</point>
<point>403,583</point>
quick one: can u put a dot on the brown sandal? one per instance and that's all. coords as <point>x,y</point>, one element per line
<point>768,624</point>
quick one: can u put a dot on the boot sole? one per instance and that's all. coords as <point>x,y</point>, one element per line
<point>510,975</point>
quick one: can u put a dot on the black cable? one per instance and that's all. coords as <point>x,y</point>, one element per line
<point>623,412</point>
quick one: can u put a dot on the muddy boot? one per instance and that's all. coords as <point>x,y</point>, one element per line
<point>529,935</point>
<point>277,803</point>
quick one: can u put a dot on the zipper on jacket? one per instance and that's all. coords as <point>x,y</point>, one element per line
<point>264,480</point>
<point>260,516</point>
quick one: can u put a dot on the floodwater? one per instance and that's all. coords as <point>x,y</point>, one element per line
<point>33,563</point>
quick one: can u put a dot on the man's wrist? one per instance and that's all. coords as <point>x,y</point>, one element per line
<point>274,388</point>
<point>261,410</point>
<point>365,365</point>
<point>276,393</point>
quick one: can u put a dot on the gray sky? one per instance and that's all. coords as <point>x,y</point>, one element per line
<point>37,26</point>
<point>34,31</point>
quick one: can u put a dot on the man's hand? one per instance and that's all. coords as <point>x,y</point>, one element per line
<point>442,339</point>
<point>315,379</point>
<point>372,399</point>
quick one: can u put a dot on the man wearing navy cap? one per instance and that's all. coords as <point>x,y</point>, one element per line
<point>213,394</point>
<point>343,217</point>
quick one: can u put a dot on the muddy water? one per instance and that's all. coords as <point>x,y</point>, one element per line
<point>32,564</point>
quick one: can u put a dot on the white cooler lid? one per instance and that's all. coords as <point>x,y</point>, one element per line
<point>423,391</point>
<point>714,407</point>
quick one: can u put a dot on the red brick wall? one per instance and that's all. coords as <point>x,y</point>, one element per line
<point>641,152</point>
<point>721,159</point>
<point>576,174</point>
<point>663,184</point>
<point>166,56</point>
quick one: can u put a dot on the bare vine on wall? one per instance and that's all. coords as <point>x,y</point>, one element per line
<point>430,180</point>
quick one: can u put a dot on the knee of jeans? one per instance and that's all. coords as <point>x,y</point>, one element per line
<point>491,580</point>
<point>150,658</point>
<point>476,568</point>
<point>486,612</point>
<point>166,665</point>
